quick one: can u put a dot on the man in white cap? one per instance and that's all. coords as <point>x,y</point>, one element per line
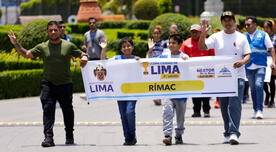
<point>190,47</point>
<point>229,42</point>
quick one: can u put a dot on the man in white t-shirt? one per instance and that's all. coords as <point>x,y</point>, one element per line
<point>260,45</point>
<point>229,42</point>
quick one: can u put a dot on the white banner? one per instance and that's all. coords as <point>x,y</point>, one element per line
<point>160,78</point>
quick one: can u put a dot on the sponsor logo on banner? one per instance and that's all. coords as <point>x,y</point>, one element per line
<point>205,72</point>
<point>166,70</point>
<point>224,72</point>
<point>100,72</point>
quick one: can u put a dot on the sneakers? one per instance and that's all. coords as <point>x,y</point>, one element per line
<point>69,142</point>
<point>233,139</point>
<point>259,114</point>
<point>226,140</point>
<point>178,140</point>
<point>167,140</point>
<point>130,142</point>
<point>48,142</point>
<point>207,115</point>
<point>254,115</point>
<point>196,115</point>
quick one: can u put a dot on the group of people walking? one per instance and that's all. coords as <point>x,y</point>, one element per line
<point>249,50</point>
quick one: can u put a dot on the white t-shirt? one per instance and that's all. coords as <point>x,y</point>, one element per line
<point>235,45</point>
<point>167,54</point>
<point>268,45</point>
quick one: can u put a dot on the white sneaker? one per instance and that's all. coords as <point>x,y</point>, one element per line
<point>259,114</point>
<point>254,115</point>
<point>226,140</point>
<point>233,139</point>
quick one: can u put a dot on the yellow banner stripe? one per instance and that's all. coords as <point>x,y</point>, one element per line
<point>163,86</point>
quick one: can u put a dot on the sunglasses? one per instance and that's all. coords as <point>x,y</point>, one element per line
<point>247,25</point>
<point>92,23</point>
<point>62,26</point>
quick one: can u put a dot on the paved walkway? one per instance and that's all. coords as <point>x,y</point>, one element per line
<point>98,128</point>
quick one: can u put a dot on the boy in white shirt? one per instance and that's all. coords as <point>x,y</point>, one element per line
<point>174,104</point>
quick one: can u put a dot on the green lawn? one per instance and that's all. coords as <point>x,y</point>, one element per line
<point>111,34</point>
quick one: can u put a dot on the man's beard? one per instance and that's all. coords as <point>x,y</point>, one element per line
<point>54,39</point>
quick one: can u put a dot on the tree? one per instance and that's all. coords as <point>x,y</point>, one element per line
<point>165,20</point>
<point>147,10</point>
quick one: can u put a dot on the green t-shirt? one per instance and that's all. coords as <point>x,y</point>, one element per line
<point>56,59</point>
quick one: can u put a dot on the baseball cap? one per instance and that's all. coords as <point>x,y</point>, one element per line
<point>195,27</point>
<point>227,14</point>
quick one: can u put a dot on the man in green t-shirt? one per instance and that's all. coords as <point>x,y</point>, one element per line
<point>56,84</point>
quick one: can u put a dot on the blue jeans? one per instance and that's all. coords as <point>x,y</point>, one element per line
<point>127,112</point>
<point>231,111</point>
<point>256,83</point>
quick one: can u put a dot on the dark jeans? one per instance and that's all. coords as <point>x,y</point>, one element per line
<point>198,102</point>
<point>269,89</point>
<point>127,112</point>
<point>50,94</point>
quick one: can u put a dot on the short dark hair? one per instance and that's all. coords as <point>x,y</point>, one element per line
<point>253,18</point>
<point>124,40</point>
<point>61,22</point>
<point>92,18</point>
<point>177,37</point>
<point>52,23</point>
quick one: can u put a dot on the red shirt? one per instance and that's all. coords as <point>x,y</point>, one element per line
<point>190,47</point>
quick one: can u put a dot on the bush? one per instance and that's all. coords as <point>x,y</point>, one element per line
<point>33,34</point>
<point>20,83</point>
<point>112,24</point>
<point>16,65</point>
<point>5,42</point>
<point>138,24</point>
<point>121,35</point>
<point>146,10</point>
<point>143,36</point>
<point>4,39</point>
<point>77,39</point>
<point>25,83</point>
<point>80,28</point>
<point>167,19</point>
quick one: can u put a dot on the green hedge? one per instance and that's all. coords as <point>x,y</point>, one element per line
<point>138,24</point>
<point>112,24</point>
<point>133,35</point>
<point>121,35</point>
<point>25,83</point>
<point>16,65</point>
<point>81,28</point>
<point>5,42</point>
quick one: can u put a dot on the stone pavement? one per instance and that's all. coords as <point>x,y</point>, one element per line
<point>98,129</point>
